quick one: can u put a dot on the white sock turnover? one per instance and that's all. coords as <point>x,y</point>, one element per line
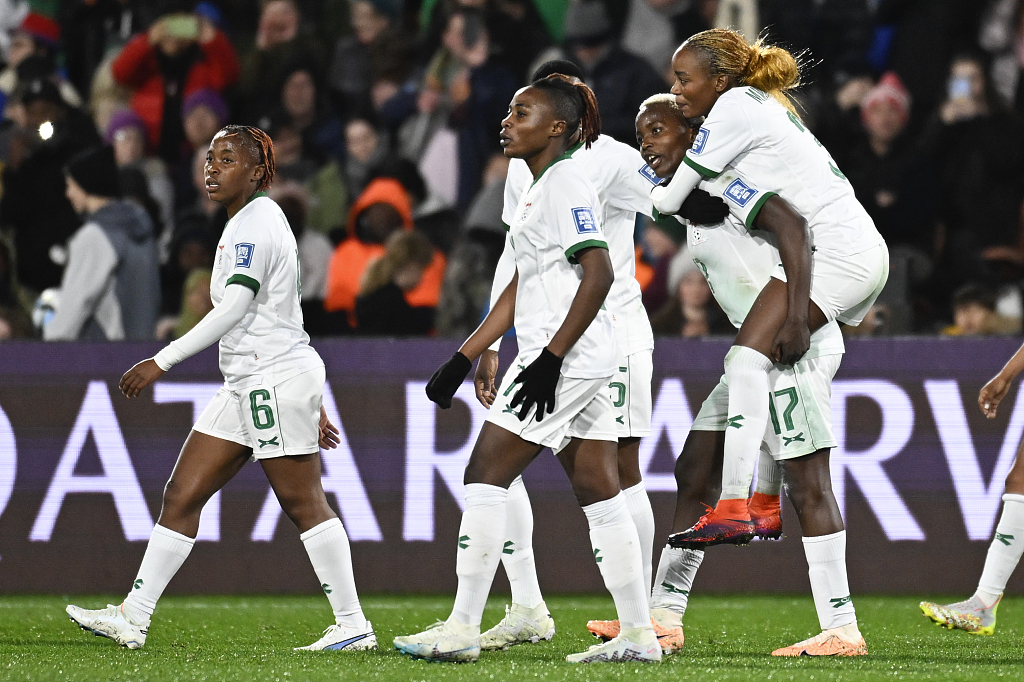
<point>826,566</point>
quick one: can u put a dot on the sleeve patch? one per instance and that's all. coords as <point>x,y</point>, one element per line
<point>700,140</point>
<point>739,193</point>
<point>584,218</point>
<point>649,175</point>
<point>243,255</point>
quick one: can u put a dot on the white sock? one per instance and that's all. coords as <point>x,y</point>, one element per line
<point>769,475</point>
<point>1005,550</point>
<point>676,571</point>
<point>481,537</point>
<point>746,373</point>
<point>517,553</point>
<point>617,553</point>
<point>165,553</point>
<point>826,566</point>
<point>639,505</point>
<point>329,552</point>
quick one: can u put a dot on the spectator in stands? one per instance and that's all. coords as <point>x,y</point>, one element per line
<point>383,209</point>
<point>620,80</point>
<point>303,109</point>
<point>126,133</point>
<point>314,248</point>
<point>367,148</point>
<point>203,113</point>
<point>177,56</point>
<point>33,204</point>
<point>110,289</point>
<point>370,66</point>
<point>280,43</point>
<point>195,303</point>
<point>15,322</point>
<point>691,312</point>
<point>661,242</point>
<point>36,40</point>
<point>974,314</point>
<point>382,307</point>
<point>655,28</point>
<point>319,175</point>
<point>978,151</point>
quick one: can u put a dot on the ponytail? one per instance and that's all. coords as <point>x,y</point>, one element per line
<point>576,103</point>
<point>768,68</point>
<point>259,146</point>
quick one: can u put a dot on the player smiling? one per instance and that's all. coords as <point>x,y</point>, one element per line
<point>831,269</point>
<point>269,408</point>
<point>555,394</point>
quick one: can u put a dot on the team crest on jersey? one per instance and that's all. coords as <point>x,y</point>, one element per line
<point>649,175</point>
<point>700,140</point>
<point>585,222</point>
<point>243,255</point>
<point>697,236</point>
<point>739,193</point>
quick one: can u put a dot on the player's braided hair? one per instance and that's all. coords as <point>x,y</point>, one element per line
<point>259,146</point>
<point>768,68</point>
<point>574,102</point>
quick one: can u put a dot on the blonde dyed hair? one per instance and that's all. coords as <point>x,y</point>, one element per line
<point>768,68</point>
<point>404,248</point>
<point>666,99</point>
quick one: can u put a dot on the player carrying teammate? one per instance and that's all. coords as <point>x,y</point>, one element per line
<point>269,408</point>
<point>977,615</point>
<point>555,395</point>
<point>752,128</point>
<point>737,258</point>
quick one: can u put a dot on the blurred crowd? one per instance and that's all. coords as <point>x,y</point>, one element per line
<point>384,116</point>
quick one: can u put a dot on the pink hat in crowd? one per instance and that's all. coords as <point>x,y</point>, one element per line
<point>889,89</point>
<point>41,28</point>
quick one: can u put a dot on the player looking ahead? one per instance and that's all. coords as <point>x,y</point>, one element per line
<point>555,394</point>
<point>977,615</point>
<point>832,269</point>
<point>269,408</point>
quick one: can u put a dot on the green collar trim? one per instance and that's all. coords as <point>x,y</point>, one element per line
<point>254,196</point>
<point>567,155</point>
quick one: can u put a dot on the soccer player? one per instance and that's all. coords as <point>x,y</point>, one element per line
<point>623,183</point>
<point>752,127</point>
<point>977,615</point>
<point>737,257</point>
<point>555,395</point>
<point>269,408</point>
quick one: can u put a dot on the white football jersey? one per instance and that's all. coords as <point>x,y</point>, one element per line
<point>258,250</point>
<point>623,183</point>
<point>738,261</point>
<point>557,216</point>
<point>750,131</point>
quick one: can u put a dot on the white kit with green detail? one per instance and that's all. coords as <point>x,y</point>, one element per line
<point>556,217</point>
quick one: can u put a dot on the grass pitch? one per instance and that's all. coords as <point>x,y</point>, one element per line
<point>727,638</point>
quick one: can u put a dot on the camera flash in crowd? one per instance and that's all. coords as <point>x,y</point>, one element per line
<point>46,130</point>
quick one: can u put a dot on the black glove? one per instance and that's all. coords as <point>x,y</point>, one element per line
<point>700,208</point>
<point>447,379</point>
<point>537,385</point>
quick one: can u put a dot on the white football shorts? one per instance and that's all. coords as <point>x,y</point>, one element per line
<point>845,288</point>
<point>583,409</point>
<point>800,404</point>
<point>275,421</point>
<point>630,391</point>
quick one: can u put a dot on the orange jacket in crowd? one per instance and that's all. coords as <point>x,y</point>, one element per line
<point>352,256</point>
<point>136,68</point>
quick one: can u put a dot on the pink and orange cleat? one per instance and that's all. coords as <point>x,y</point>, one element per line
<point>671,639</point>
<point>729,523</point>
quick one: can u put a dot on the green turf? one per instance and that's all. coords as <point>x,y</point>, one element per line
<point>728,638</point>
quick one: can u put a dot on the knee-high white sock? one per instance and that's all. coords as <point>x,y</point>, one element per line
<point>617,552</point>
<point>639,505</point>
<point>746,373</point>
<point>165,554</point>
<point>481,537</point>
<point>329,552</point>
<point>826,566</point>
<point>1005,551</point>
<point>769,475</point>
<point>676,571</point>
<point>517,553</point>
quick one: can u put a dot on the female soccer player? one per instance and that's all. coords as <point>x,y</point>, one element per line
<point>269,408</point>
<point>737,258</point>
<point>556,393</point>
<point>977,615</point>
<point>752,127</point>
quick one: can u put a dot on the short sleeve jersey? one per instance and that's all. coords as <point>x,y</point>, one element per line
<point>748,130</point>
<point>738,261</point>
<point>623,183</point>
<point>557,216</point>
<point>257,250</point>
